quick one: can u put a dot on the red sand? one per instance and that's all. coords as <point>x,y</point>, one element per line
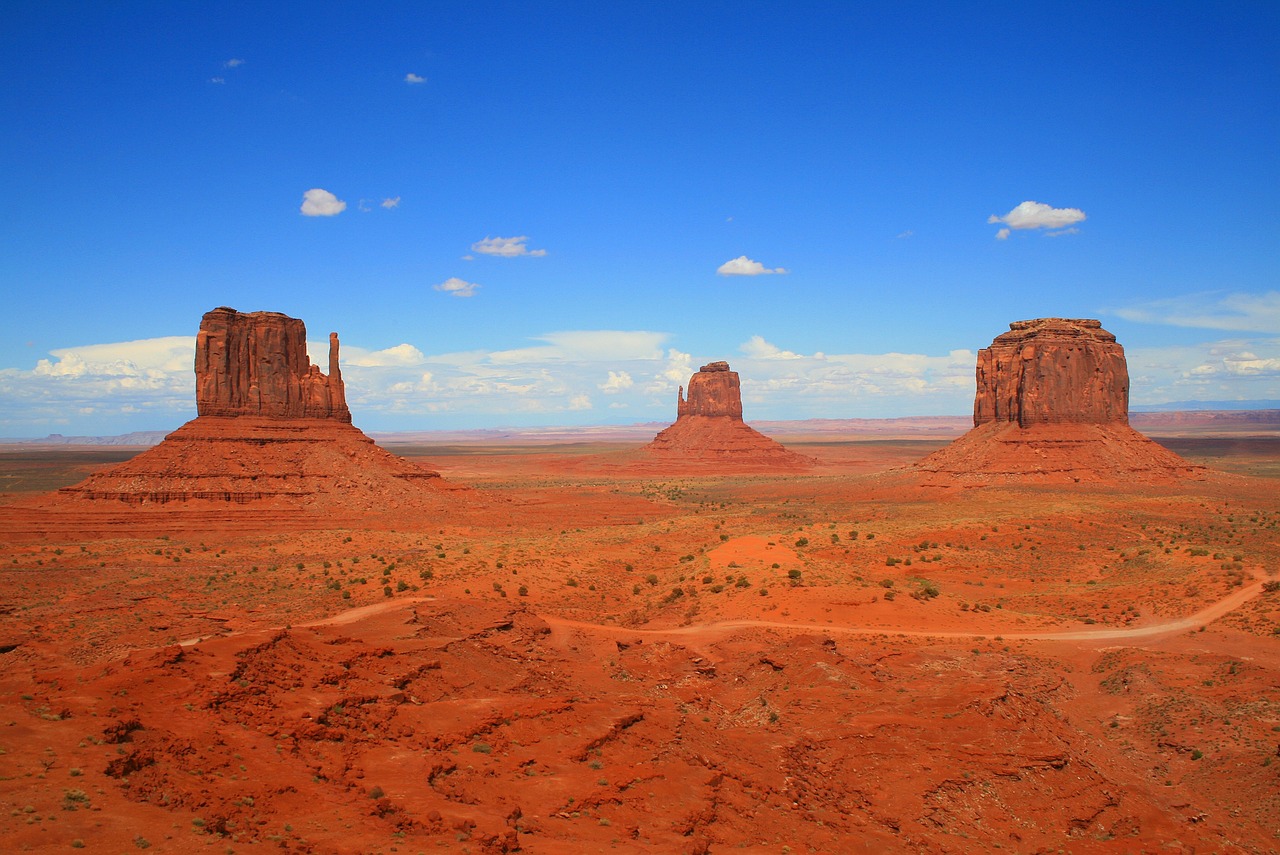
<point>569,658</point>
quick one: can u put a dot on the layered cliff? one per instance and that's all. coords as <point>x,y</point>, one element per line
<point>256,364</point>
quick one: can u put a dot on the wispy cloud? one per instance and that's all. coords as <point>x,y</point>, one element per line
<point>234,62</point>
<point>414,79</point>
<point>1215,310</point>
<point>321,203</point>
<point>1037,215</point>
<point>390,203</point>
<point>506,247</point>
<point>743,266</point>
<point>457,287</point>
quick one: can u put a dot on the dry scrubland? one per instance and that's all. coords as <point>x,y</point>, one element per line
<point>573,658</point>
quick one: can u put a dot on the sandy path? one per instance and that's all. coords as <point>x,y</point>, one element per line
<point>709,630</point>
<point>1195,621</point>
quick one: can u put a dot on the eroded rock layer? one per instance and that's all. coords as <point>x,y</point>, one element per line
<point>1052,370</point>
<point>256,364</point>
<point>1052,406</point>
<point>709,431</point>
<point>245,460</point>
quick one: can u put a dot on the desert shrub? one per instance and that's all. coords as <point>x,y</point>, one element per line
<point>652,578</point>
<point>793,573</point>
<point>802,542</point>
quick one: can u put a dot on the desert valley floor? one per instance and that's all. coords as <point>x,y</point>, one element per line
<point>568,652</point>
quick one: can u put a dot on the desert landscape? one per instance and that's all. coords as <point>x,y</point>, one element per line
<point>1040,630</point>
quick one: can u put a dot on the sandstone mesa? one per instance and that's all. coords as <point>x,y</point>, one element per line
<point>1052,404</point>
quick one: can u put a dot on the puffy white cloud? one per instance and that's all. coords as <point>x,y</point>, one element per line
<point>580,402</point>
<point>457,287</point>
<point>617,382</point>
<point>1239,311</point>
<point>414,79</point>
<point>401,354</point>
<point>757,348</point>
<point>743,266</point>
<point>1037,215</point>
<point>506,247</point>
<point>390,203</point>
<point>321,203</point>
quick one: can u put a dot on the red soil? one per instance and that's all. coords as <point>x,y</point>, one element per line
<point>569,658</point>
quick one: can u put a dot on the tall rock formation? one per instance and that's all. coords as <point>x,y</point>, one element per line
<point>272,431</point>
<point>256,364</point>
<point>1052,405</point>
<point>1053,370</point>
<point>713,391</point>
<point>709,432</point>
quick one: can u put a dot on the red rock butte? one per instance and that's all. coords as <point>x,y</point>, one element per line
<point>1052,405</point>
<point>709,431</point>
<point>271,428</point>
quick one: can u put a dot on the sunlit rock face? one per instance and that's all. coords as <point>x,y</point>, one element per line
<point>256,364</point>
<point>713,391</point>
<point>1052,371</point>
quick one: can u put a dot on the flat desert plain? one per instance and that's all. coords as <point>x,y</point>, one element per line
<point>574,653</point>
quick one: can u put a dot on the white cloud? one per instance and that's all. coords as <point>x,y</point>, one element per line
<point>580,402</point>
<point>233,63</point>
<point>390,203</point>
<point>401,354</point>
<point>413,79</point>
<point>1239,311</point>
<point>617,382</point>
<point>587,346</point>
<point>217,80</point>
<point>1037,215</point>
<point>908,233</point>
<point>457,287</point>
<point>757,348</point>
<point>1224,370</point>
<point>506,247</point>
<point>743,266</point>
<point>321,203</point>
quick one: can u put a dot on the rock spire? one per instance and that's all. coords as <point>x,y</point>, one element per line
<point>256,364</point>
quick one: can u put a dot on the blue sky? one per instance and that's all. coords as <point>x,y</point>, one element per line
<point>520,209</point>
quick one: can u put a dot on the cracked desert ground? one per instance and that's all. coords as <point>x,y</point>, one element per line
<point>571,656</point>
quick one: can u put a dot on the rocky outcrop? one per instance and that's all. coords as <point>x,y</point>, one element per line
<point>1052,406</point>
<point>1050,371</point>
<point>272,430</point>
<point>709,432</point>
<point>713,391</point>
<point>256,364</point>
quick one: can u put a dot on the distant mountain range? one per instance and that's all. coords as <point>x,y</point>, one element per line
<point>1204,405</point>
<point>1231,416</point>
